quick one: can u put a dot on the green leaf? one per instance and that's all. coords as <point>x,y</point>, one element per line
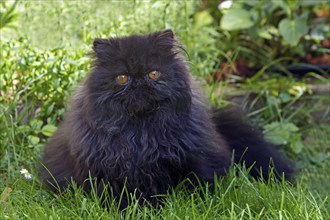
<point>33,140</point>
<point>285,97</point>
<point>284,133</point>
<point>293,30</point>
<point>48,130</point>
<point>296,143</point>
<point>23,129</point>
<point>50,109</point>
<point>289,6</point>
<point>235,19</point>
<point>202,19</point>
<point>264,34</point>
<point>276,135</point>
<point>279,133</point>
<point>36,124</point>
<point>290,127</point>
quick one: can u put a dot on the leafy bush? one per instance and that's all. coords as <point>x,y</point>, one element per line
<point>34,87</point>
<point>272,29</point>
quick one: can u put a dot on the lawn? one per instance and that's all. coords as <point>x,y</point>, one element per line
<point>44,53</point>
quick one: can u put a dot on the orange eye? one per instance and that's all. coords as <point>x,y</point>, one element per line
<point>122,79</point>
<point>154,74</point>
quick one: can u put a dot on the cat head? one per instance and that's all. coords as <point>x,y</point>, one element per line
<point>139,74</point>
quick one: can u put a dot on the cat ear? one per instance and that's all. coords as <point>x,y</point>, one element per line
<point>100,44</point>
<point>165,41</point>
<point>168,33</point>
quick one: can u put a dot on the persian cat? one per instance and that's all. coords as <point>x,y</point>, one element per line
<point>139,121</point>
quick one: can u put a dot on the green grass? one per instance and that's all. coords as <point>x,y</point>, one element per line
<point>45,57</point>
<point>235,197</point>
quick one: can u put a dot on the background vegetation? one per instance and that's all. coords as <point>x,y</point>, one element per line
<point>44,53</point>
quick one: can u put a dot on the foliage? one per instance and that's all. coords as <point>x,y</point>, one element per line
<point>284,133</point>
<point>34,85</point>
<point>284,103</point>
<point>267,30</point>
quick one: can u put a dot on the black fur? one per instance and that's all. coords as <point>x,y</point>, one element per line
<point>147,134</point>
<point>248,145</point>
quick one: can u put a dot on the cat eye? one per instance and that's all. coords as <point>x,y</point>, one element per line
<point>154,74</point>
<point>122,79</point>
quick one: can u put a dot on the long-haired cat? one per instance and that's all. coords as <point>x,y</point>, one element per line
<point>139,121</point>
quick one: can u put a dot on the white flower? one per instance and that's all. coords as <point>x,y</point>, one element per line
<point>225,4</point>
<point>26,173</point>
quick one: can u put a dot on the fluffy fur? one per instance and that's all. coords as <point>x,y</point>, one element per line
<point>147,134</point>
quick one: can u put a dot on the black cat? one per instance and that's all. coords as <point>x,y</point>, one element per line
<point>139,120</point>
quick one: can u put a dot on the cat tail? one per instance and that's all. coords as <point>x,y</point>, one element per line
<point>249,147</point>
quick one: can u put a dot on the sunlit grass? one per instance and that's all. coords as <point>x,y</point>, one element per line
<point>235,196</point>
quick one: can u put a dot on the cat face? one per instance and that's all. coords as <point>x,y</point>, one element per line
<point>139,75</point>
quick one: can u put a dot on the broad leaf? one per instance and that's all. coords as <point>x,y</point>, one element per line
<point>279,133</point>
<point>48,130</point>
<point>296,143</point>
<point>293,30</point>
<point>236,19</point>
<point>33,139</point>
<point>202,19</point>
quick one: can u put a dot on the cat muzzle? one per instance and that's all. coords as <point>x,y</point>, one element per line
<point>138,111</point>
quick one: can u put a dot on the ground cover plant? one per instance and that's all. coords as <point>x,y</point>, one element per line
<point>268,30</point>
<point>44,53</point>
